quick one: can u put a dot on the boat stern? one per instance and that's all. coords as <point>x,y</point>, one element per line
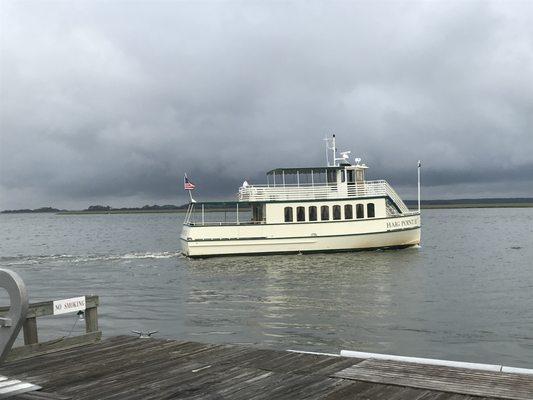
<point>183,240</point>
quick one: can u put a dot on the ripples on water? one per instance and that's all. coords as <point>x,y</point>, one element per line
<point>465,294</point>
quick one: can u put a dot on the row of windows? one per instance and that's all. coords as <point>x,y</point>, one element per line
<point>312,212</point>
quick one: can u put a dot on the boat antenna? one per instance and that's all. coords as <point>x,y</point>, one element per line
<point>344,156</point>
<point>334,149</point>
<point>419,166</point>
<point>326,140</point>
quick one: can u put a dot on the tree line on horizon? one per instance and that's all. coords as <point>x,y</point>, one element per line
<point>170,207</point>
<point>98,208</point>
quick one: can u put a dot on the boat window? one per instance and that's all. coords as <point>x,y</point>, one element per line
<point>300,214</point>
<point>258,213</point>
<point>348,211</point>
<point>343,176</point>
<point>370,210</point>
<point>324,213</point>
<point>288,214</point>
<point>360,211</point>
<point>336,212</point>
<point>332,177</point>
<point>312,213</point>
<point>351,176</point>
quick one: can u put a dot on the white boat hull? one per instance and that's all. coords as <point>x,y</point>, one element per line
<point>394,232</point>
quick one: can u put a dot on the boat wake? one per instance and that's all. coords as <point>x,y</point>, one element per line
<point>75,259</point>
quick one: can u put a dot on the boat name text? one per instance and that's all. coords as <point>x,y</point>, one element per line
<point>404,223</point>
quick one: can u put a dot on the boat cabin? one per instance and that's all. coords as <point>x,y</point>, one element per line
<point>303,195</point>
<point>338,175</point>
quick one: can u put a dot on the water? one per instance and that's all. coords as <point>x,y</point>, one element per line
<point>466,294</point>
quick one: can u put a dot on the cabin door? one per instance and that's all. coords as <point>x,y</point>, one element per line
<point>360,176</point>
<point>258,213</point>
<point>350,176</point>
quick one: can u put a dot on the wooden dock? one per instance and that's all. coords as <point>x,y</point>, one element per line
<point>127,367</point>
<point>83,367</point>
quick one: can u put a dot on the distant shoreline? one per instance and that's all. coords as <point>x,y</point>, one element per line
<point>475,205</point>
<point>179,211</point>
<point>412,204</point>
<point>424,207</point>
<point>411,207</point>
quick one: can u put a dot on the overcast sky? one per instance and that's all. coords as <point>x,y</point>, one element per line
<point>111,102</point>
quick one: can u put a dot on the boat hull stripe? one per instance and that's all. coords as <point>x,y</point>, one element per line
<point>297,237</point>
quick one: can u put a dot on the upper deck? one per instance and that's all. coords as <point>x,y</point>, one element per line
<point>264,193</point>
<point>323,183</point>
<point>338,180</point>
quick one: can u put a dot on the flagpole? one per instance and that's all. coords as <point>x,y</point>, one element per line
<point>185,179</point>
<point>419,165</point>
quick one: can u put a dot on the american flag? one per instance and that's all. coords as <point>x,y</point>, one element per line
<point>187,184</point>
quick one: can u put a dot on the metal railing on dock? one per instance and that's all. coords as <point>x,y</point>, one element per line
<point>32,345</point>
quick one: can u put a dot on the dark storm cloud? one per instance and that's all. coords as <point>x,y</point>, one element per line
<point>115,101</point>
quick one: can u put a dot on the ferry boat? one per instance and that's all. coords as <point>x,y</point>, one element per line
<point>299,210</point>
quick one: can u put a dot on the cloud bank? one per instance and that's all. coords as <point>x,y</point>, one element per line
<point>113,101</point>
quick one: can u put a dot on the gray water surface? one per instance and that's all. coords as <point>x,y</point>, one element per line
<point>466,294</point>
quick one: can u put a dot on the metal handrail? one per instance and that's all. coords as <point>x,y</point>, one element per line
<point>396,199</point>
<point>312,192</point>
<point>230,223</point>
<point>308,185</point>
<point>321,192</point>
<point>11,322</point>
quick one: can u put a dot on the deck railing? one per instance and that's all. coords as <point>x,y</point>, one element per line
<point>321,192</point>
<point>33,346</point>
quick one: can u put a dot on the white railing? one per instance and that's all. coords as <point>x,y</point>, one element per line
<point>321,192</point>
<point>396,199</point>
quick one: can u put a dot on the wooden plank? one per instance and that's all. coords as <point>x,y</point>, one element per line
<point>241,390</point>
<point>155,369</point>
<point>149,361</point>
<point>90,368</point>
<point>32,350</point>
<point>40,396</point>
<point>266,359</point>
<point>205,383</point>
<point>189,377</point>
<point>271,386</point>
<point>64,356</point>
<point>325,369</point>
<point>192,351</point>
<point>29,328</point>
<point>444,379</point>
<point>290,385</point>
<point>314,387</point>
<point>323,365</point>
<point>91,319</point>
<point>255,386</point>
